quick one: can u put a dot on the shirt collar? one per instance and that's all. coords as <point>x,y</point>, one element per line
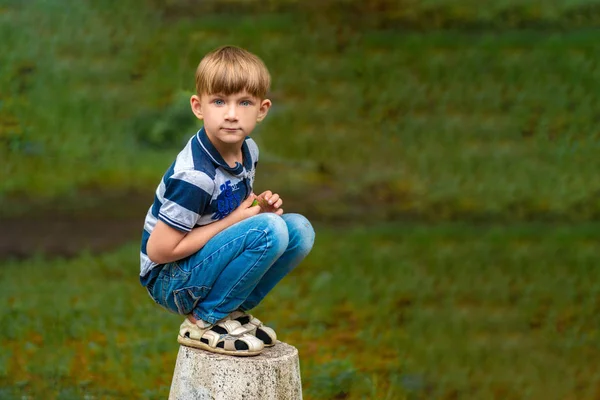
<point>216,157</point>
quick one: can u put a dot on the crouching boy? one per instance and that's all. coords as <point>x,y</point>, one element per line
<point>211,248</point>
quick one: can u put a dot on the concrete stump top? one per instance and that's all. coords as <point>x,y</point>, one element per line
<point>278,352</point>
<point>272,375</point>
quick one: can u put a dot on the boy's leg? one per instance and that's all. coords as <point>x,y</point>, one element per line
<point>268,239</point>
<point>301,239</point>
<point>213,282</point>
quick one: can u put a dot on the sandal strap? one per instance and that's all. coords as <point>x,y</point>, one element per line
<point>191,330</point>
<point>252,320</point>
<point>253,343</point>
<point>253,325</point>
<point>212,337</point>
<point>232,327</point>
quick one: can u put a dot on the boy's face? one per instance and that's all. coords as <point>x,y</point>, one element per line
<point>228,119</point>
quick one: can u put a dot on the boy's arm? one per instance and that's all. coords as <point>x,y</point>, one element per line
<point>167,244</point>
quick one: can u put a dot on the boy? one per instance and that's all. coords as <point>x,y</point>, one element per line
<point>209,251</point>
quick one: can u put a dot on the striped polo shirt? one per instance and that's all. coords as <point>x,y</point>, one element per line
<point>197,189</point>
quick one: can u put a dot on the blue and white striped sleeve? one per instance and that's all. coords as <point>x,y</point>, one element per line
<point>187,195</point>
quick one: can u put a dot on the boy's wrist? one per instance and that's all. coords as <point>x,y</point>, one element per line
<point>231,219</point>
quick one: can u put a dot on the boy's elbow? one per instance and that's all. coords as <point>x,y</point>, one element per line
<point>157,256</point>
<point>162,244</point>
<point>157,259</point>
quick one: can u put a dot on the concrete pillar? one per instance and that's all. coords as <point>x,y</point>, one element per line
<point>272,375</point>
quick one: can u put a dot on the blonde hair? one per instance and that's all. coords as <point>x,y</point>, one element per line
<point>231,70</point>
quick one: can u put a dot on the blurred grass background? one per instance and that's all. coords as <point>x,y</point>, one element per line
<point>445,151</point>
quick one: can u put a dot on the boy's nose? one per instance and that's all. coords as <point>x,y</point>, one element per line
<point>231,114</point>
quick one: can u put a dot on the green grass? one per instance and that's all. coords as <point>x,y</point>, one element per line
<point>478,121</point>
<point>442,124</point>
<point>438,311</point>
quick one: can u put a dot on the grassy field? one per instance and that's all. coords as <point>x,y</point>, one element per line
<point>476,127</point>
<point>392,312</point>
<point>439,124</point>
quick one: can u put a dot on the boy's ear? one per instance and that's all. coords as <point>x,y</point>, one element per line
<point>265,105</point>
<point>196,106</point>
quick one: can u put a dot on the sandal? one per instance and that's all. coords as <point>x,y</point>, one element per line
<point>255,327</point>
<point>224,337</point>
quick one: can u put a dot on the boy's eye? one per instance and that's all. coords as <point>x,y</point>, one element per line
<point>219,102</point>
<point>245,103</point>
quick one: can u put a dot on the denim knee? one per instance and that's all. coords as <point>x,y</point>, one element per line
<point>273,232</point>
<point>302,234</point>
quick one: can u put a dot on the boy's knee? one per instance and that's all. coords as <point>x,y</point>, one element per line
<point>301,230</point>
<point>274,230</point>
<point>271,223</point>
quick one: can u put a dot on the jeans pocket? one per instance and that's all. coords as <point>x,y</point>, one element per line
<point>186,298</point>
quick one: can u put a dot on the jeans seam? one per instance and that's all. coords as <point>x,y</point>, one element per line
<point>225,245</point>
<point>264,234</point>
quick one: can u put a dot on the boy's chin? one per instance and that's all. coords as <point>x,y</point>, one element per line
<point>232,138</point>
<point>227,136</point>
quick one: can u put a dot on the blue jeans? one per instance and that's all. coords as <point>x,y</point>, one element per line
<point>236,268</point>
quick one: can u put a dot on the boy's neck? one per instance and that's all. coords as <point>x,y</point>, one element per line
<point>231,153</point>
<point>233,158</point>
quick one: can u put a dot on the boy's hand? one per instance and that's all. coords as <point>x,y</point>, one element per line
<point>245,210</point>
<point>270,202</point>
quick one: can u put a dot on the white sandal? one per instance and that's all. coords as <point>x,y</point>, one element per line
<point>255,327</point>
<point>224,337</point>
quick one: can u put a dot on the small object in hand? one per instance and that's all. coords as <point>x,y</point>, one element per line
<point>254,203</point>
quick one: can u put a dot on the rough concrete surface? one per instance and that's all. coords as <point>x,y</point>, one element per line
<point>272,375</point>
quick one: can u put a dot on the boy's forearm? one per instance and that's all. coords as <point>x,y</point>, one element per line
<point>198,237</point>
